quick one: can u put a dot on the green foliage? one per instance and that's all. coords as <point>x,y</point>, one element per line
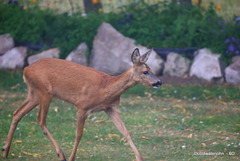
<point>11,80</point>
<point>160,25</point>
<point>165,25</point>
<point>45,27</point>
<point>23,26</point>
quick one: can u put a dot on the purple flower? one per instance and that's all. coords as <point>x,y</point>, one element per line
<point>209,18</point>
<point>237,19</point>
<point>234,39</point>
<point>131,16</point>
<point>226,41</point>
<point>127,20</point>
<point>219,22</point>
<point>231,47</point>
<point>121,22</point>
<point>15,2</point>
<point>236,52</point>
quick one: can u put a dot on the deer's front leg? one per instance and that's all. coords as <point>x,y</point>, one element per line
<point>115,116</point>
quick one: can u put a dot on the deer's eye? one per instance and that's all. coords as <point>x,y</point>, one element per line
<point>145,72</point>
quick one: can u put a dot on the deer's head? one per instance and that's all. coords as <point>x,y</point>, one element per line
<point>141,71</point>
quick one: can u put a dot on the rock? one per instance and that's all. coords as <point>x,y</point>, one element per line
<point>51,53</point>
<point>176,65</point>
<point>112,51</point>
<point>232,72</point>
<point>207,66</point>
<point>236,59</point>
<point>13,58</point>
<point>79,55</point>
<point>6,43</point>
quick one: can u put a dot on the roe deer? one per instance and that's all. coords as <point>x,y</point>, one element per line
<point>86,88</point>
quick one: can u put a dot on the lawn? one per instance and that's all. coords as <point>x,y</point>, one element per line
<point>170,123</point>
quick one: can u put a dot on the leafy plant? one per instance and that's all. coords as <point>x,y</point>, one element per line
<point>166,25</point>
<point>159,25</point>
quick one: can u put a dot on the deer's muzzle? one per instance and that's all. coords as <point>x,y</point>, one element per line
<point>157,84</point>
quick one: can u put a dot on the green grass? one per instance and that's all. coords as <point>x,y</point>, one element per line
<point>170,123</point>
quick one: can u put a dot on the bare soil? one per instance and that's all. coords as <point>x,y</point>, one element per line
<point>183,80</point>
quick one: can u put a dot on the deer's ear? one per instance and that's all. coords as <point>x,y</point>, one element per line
<point>145,56</point>
<point>135,56</point>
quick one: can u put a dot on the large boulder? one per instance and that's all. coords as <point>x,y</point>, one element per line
<point>6,43</point>
<point>176,65</point>
<point>79,55</point>
<point>207,66</point>
<point>112,51</point>
<point>51,53</point>
<point>232,72</point>
<point>13,58</point>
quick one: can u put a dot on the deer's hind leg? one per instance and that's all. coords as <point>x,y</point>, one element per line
<point>29,104</point>
<point>81,117</point>
<point>45,101</point>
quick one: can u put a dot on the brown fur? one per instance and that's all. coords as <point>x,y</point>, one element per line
<point>88,89</point>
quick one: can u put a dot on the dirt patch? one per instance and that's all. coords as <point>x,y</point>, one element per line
<point>183,81</point>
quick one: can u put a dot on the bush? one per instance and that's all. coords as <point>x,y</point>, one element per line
<point>36,26</point>
<point>161,25</point>
<point>165,25</point>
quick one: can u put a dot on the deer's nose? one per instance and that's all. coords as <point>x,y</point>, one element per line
<point>157,84</point>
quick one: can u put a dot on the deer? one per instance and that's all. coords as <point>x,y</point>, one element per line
<point>86,88</point>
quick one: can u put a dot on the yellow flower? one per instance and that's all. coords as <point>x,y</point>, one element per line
<point>196,2</point>
<point>95,1</point>
<point>25,8</point>
<point>219,7</point>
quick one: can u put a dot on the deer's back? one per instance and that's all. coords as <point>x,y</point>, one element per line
<point>64,79</point>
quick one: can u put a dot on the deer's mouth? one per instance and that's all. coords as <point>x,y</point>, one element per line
<point>157,84</point>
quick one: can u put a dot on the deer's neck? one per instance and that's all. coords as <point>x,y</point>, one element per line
<point>119,84</point>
